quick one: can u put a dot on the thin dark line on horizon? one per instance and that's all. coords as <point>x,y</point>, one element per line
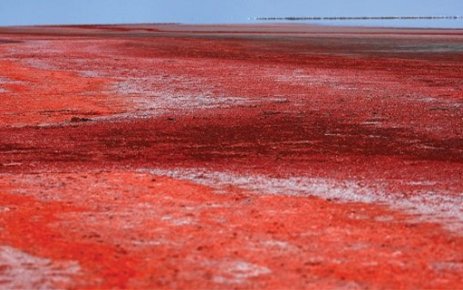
<point>317,18</point>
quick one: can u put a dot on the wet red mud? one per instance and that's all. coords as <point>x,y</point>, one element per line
<point>231,157</point>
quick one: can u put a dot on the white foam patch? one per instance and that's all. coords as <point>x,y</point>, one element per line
<point>301,77</point>
<point>439,207</point>
<point>437,101</point>
<point>182,221</point>
<point>19,270</point>
<point>238,272</point>
<point>90,74</point>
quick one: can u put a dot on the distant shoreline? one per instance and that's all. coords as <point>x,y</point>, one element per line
<point>317,18</point>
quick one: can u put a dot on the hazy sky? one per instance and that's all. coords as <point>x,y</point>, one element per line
<point>27,12</point>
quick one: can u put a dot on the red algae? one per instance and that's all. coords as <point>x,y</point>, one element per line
<point>170,156</point>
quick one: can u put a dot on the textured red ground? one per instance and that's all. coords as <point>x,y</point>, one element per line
<point>223,157</point>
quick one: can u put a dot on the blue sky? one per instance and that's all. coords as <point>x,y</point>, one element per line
<point>28,12</point>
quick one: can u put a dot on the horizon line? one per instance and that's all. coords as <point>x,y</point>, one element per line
<point>318,18</point>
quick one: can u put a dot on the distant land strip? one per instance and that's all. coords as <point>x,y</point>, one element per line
<point>292,18</point>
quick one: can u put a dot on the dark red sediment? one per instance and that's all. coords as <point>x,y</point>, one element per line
<point>272,156</point>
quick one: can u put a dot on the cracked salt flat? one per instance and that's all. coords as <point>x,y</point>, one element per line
<point>442,208</point>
